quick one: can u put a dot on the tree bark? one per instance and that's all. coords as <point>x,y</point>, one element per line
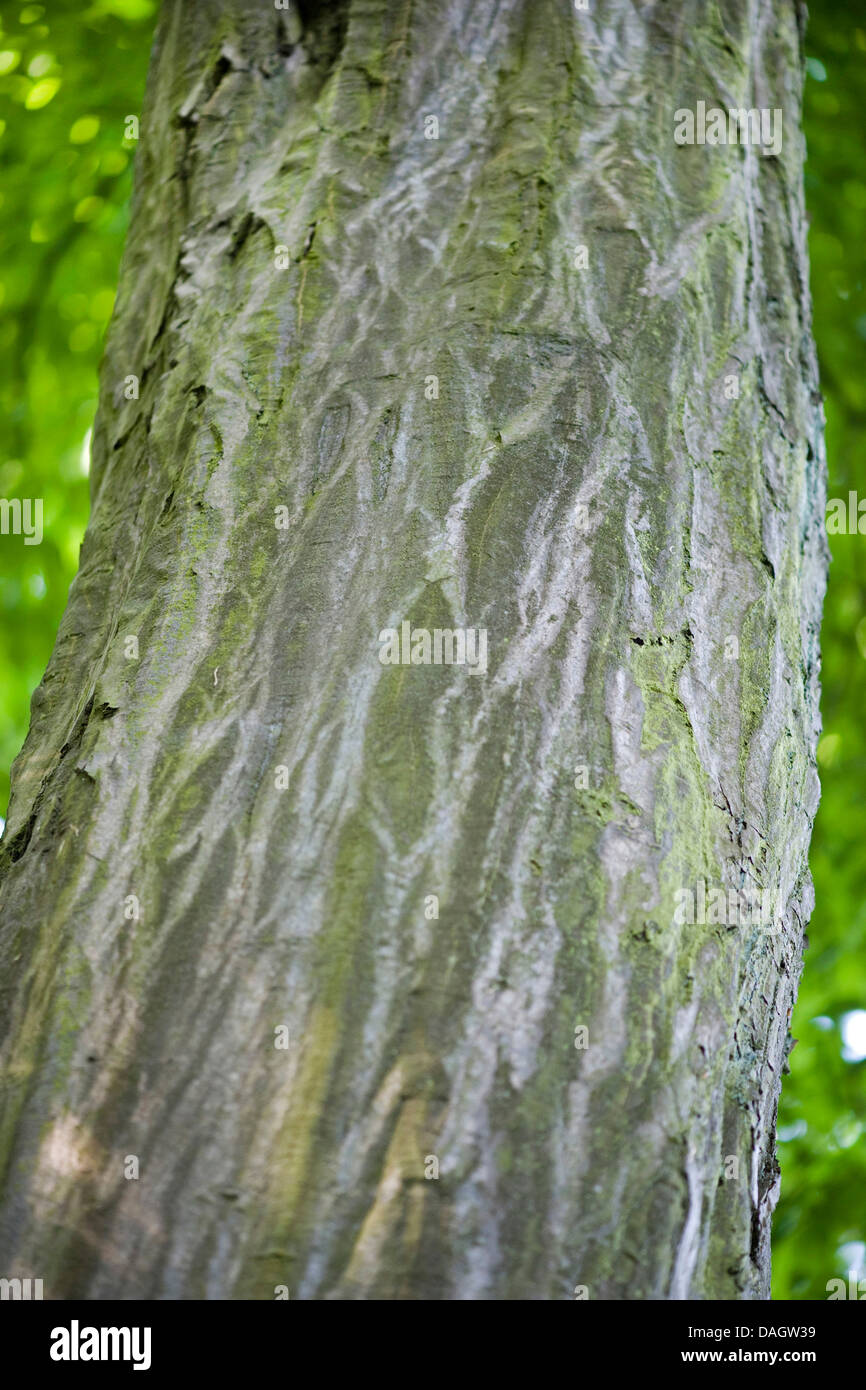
<point>220,955</point>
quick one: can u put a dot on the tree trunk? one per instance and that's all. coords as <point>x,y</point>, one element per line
<point>379,382</point>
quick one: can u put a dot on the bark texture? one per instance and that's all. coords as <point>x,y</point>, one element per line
<point>586,489</point>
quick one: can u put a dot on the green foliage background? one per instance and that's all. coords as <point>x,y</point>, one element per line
<point>820,1226</point>
<point>70,75</point>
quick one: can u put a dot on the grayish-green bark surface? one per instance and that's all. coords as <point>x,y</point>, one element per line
<point>620,480</point>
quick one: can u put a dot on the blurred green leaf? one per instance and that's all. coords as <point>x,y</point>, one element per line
<point>69,76</point>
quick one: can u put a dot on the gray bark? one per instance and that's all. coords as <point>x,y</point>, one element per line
<point>585,488</point>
